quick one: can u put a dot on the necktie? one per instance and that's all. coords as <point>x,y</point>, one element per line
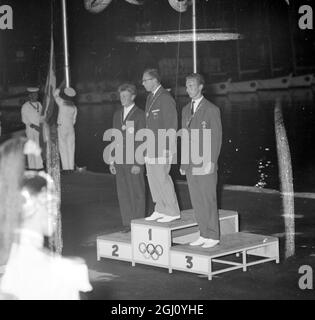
<point>192,107</point>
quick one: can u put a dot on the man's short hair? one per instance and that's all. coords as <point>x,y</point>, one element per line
<point>154,73</point>
<point>128,87</point>
<point>198,77</point>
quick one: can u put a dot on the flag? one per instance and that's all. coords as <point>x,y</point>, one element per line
<point>51,138</point>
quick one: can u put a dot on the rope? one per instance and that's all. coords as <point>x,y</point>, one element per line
<point>177,55</point>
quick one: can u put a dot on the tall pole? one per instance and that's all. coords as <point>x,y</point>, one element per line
<point>286,179</point>
<point>194,35</point>
<point>65,42</point>
<point>270,41</point>
<point>292,42</point>
<point>238,56</point>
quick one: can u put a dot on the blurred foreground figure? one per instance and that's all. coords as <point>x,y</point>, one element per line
<point>12,161</point>
<point>32,272</point>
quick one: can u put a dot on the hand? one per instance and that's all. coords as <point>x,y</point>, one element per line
<point>182,172</point>
<point>42,119</point>
<point>57,92</point>
<point>209,168</point>
<point>112,169</point>
<point>201,171</point>
<point>31,147</point>
<point>167,154</point>
<point>135,170</point>
<point>33,126</point>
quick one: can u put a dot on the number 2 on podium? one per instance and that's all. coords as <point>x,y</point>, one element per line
<point>115,249</point>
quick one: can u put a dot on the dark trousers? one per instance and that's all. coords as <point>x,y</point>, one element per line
<point>203,195</point>
<point>131,193</point>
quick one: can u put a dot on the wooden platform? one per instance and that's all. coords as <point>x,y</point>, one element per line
<point>199,260</point>
<point>229,223</point>
<point>166,245</point>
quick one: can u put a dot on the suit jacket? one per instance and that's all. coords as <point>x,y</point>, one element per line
<point>206,116</point>
<point>138,117</point>
<point>161,113</point>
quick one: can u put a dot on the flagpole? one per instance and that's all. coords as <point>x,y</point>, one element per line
<point>194,35</point>
<point>51,138</point>
<point>65,43</point>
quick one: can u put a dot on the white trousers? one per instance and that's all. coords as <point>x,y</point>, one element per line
<point>34,162</point>
<point>66,141</point>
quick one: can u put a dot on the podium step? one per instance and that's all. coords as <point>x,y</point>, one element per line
<point>229,223</point>
<point>114,246</point>
<point>254,249</point>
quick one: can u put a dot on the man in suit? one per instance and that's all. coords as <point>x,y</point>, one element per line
<point>31,116</point>
<point>129,177</point>
<point>201,114</point>
<point>161,114</point>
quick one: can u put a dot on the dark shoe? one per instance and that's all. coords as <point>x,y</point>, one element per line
<point>126,230</point>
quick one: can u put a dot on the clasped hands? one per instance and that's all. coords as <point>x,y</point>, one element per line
<point>134,169</point>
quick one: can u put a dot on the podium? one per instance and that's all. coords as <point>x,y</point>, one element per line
<point>166,245</point>
<point>152,240</point>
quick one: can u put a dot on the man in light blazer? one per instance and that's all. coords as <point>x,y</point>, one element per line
<point>201,114</point>
<point>161,114</point>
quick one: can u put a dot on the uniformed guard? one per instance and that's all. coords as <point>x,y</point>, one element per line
<point>67,116</point>
<point>31,116</point>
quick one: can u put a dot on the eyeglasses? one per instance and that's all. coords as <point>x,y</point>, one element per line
<point>145,80</point>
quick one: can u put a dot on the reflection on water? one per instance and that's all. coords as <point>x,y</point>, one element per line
<point>248,156</point>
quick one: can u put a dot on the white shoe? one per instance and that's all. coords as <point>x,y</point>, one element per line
<point>209,243</point>
<point>155,215</point>
<point>168,218</point>
<point>198,242</point>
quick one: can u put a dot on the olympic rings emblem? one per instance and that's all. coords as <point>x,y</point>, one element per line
<point>150,250</point>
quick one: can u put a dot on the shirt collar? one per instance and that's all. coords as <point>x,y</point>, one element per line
<point>156,90</point>
<point>127,110</point>
<point>197,101</point>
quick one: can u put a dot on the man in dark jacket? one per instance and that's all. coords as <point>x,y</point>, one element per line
<point>129,176</point>
<point>198,115</point>
<point>161,116</point>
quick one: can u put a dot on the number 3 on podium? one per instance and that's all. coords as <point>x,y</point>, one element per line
<point>189,262</point>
